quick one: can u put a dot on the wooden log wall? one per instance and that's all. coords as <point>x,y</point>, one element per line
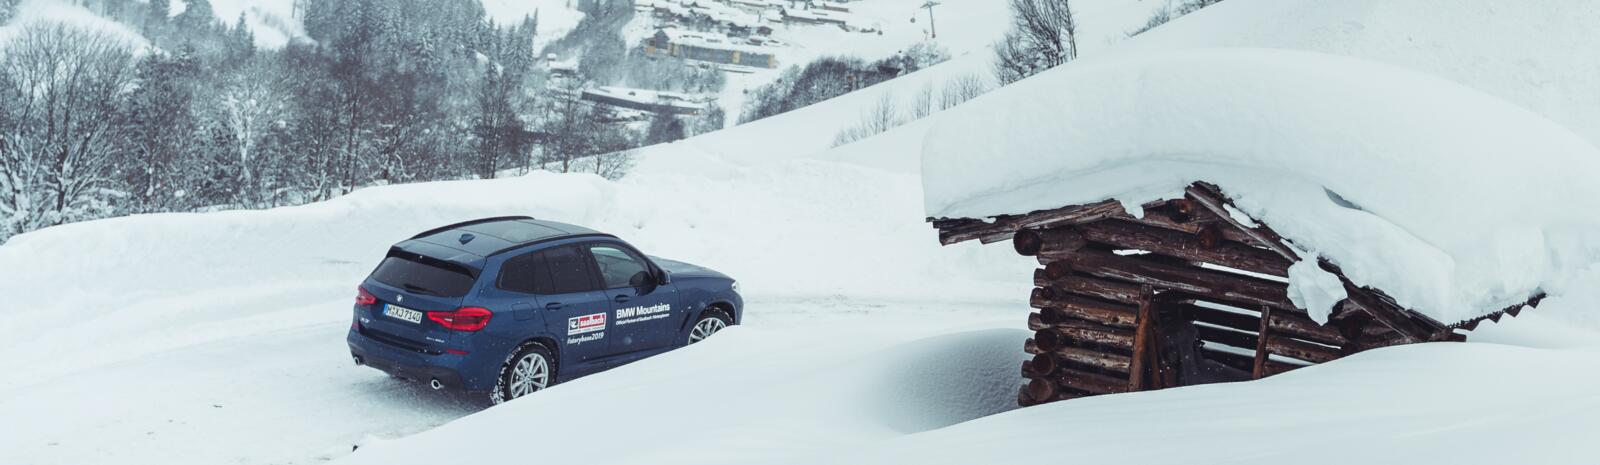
<point>1176,297</point>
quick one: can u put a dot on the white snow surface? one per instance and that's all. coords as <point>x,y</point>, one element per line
<point>1537,55</point>
<point>31,12</point>
<point>218,337</point>
<point>1466,203</point>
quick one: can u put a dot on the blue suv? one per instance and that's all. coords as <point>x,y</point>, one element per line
<point>512,305</point>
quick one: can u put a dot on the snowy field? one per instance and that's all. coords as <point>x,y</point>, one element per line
<point>218,337</point>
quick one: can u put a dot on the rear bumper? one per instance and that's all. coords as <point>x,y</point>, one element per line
<point>402,363</point>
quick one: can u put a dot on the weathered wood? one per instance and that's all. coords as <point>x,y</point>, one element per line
<point>1090,382</point>
<point>1216,285</point>
<point>1103,289</point>
<point>1042,365</point>
<point>1027,369</point>
<point>1023,399</point>
<point>1048,242</point>
<point>1302,350</point>
<point>1289,323</point>
<point>1199,222</point>
<point>1064,306</point>
<point>958,230</point>
<point>1259,369</point>
<point>1382,311</point>
<point>1244,362</point>
<point>1031,347</point>
<point>1171,243</point>
<point>1141,360</point>
<point>1042,388</point>
<point>1211,198</point>
<point>1279,345</point>
<point>1057,336</point>
<point>1089,358</point>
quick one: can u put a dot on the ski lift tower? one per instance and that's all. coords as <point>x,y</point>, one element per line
<point>932,28</point>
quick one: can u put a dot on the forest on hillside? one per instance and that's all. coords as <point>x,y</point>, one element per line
<point>386,91</point>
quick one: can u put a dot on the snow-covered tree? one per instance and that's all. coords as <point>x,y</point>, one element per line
<point>62,89</point>
<point>1043,35</point>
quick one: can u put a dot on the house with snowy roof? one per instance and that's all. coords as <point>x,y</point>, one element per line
<point>1226,214</point>
<point>708,47</point>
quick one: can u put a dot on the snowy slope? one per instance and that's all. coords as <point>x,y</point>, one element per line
<point>865,342</point>
<point>53,11</point>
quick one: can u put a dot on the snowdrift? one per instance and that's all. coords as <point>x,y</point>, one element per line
<point>750,394</point>
<point>1538,55</point>
<point>1455,202</point>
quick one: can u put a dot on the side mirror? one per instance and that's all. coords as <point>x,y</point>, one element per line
<point>662,277</point>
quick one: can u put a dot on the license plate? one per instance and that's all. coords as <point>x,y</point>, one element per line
<point>402,313</point>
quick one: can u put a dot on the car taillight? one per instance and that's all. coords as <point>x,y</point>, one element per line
<point>363,297</point>
<point>462,319</point>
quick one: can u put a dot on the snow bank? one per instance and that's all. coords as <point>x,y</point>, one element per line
<point>1400,405</point>
<point>1539,56</point>
<point>1463,203</point>
<point>750,394</point>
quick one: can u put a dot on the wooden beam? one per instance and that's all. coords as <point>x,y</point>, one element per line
<point>1062,307</point>
<point>1060,334</point>
<point>1091,382</point>
<point>1049,242</point>
<point>1259,369</point>
<point>1140,362</point>
<point>1175,244</point>
<point>1211,284</point>
<point>1290,323</point>
<point>1208,196</point>
<point>1103,289</point>
<point>958,230</point>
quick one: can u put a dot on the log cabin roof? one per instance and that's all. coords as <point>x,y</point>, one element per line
<point>1206,213</point>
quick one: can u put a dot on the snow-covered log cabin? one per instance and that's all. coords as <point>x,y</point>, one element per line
<point>1230,214</point>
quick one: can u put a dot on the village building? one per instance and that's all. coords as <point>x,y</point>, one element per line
<point>710,48</point>
<point>659,102</point>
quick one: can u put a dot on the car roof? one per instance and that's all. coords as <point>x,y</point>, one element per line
<point>489,236</point>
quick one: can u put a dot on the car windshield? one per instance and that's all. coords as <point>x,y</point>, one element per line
<point>423,276</point>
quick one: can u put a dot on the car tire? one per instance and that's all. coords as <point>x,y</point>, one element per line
<point>529,369</point>
<point>710,322</point>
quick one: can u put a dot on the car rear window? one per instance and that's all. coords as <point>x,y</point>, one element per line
<point>424,276</point>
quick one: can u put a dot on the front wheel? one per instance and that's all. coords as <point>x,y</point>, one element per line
<point>526,371</point>
<point>711,321</point>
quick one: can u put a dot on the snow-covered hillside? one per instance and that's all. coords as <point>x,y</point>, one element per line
<point>218,337</point>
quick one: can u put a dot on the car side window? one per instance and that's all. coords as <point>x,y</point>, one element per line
<point>618,267</point>
<point>526,274</point>
<point>569,271</point>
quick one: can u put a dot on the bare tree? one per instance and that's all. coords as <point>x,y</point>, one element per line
<point>923,105</point>
<point>62,88</point>
<point>1044,35</point>
<point>963,88</point>
<point>881,117</point>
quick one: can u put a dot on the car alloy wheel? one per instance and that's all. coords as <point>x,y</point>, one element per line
<point>530,374</point>
<point>708,325</point>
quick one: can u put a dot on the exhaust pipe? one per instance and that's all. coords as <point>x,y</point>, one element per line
<point>435,384</point>
<point>358,360</point>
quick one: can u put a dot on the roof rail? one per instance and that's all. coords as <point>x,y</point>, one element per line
<point>470,223</point>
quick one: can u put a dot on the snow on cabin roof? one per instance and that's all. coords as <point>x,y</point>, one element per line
<point>1454,202</point>
<point>1540,57</point>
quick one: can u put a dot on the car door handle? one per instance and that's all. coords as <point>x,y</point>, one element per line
<point>553,306</point>
<point>622,298</point>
